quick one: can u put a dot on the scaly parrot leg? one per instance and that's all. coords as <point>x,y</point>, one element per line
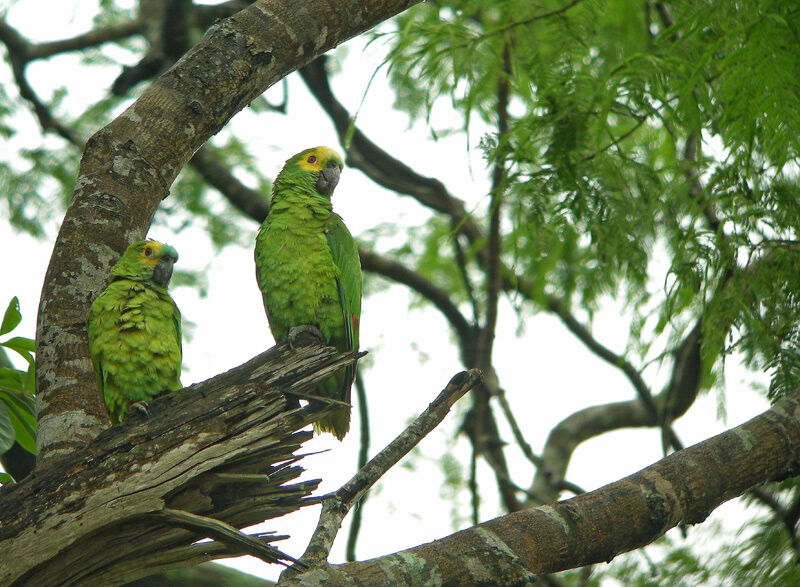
<point>304,335</point>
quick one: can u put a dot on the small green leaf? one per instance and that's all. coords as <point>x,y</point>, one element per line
<point>11,379</point>
<point>22,346</point>
<point>6,430</point>
<point>30,380</point>
<point>5,478</point>
<point>12,317</point>
<point>20,410</point>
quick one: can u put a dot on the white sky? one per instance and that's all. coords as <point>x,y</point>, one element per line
<point>546,372</point>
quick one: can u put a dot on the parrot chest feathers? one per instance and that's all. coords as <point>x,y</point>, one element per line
<point>296,273</point>
<point>134,340</point>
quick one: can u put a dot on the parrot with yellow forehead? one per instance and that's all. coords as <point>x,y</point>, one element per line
<point>134,329</point>
<point>308,270</point>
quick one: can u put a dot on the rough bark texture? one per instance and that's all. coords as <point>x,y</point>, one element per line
<point>597,526</point>
<point>223,449</point>
<point>128,166</point>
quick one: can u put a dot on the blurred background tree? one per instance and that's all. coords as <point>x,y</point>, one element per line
<point>589,157</point>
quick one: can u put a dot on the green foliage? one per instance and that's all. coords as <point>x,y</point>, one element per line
<point>600,191</point>
<point>17,419</point>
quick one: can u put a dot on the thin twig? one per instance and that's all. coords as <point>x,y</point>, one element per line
<point>461,261</point>
<point>515,429</point>
<point>336,505</point>
<point>535,17</point>
<point>475,497</point>
<point>363,455</point>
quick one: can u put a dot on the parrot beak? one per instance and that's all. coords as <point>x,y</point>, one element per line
<point>328,178</point>
<point>162,272</point>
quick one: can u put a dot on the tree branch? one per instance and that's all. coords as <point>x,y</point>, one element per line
<point>220,449</point>
<point>93,38</point>
<point>19,55</point>
<point>682,488</point>
<point>336,506</point>
<point>252,204</point>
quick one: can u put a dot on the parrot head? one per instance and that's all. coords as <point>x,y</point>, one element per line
<point>148,261</point>
<point>317,169</point>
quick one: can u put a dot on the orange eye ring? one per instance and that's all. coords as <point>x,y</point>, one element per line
<point>311,159</point>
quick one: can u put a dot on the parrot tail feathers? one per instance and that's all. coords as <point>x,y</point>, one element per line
<point>337,423</point>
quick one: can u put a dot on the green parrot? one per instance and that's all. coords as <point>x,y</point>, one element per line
<point>308,269</point>
<point>134,329</point>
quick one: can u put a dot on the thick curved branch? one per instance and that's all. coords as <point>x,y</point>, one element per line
<point>128,167</point>
<point>676,398</point>
<point>683,488</point>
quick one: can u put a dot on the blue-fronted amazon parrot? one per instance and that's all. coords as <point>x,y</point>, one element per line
<point>308,269</point>
<point>134,329</point>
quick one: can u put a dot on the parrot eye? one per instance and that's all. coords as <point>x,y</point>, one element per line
<point>311,159</point>
<point>148,252</point>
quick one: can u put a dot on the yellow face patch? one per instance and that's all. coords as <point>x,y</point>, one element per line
<point>316,159</point>
<point>151,252</point>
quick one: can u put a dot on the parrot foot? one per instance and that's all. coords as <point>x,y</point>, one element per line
<point>139,408</point>
<point>304,335</point>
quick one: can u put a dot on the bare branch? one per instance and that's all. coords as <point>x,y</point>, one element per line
<point>93,38</point>
<point>249,202</point>
<point>18,54</point>
<point>336,506</point>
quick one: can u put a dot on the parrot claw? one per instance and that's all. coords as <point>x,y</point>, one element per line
<point>304,335</point>
<point>140,408</point>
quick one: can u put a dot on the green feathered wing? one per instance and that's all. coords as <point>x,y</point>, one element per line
<point>344,253</point>
<point>134,330</point>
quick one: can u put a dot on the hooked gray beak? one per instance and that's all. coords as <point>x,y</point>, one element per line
<point>162,272</point>
<point>328,178</point>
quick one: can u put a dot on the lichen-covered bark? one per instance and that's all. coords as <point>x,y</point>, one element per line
<point>597,526</point>
<point>128,167</point>
<point>219,449</point>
